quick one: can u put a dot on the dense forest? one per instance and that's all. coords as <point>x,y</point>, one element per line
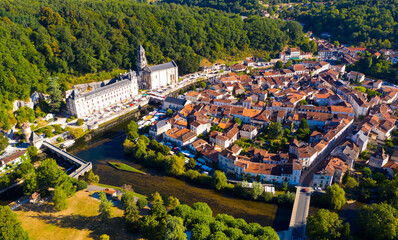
<point>371,23</point>
<point>42,39</point>
<point>244,7</point>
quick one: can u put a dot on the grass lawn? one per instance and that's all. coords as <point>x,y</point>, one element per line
<point>122,166</point>
<point>119,188</point>
<point>79,222</point>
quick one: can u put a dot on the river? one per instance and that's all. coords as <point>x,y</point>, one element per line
<point>101,148</point>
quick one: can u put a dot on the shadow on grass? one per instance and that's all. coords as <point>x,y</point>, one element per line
<point>115,228</point>
<point>115,203</point>
<point>46,207</point>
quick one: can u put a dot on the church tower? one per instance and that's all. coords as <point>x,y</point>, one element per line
<point>141,59</point>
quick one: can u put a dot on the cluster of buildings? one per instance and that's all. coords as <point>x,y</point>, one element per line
<point>88,99</point>
<point>205,121</point>
<point>349,55</point>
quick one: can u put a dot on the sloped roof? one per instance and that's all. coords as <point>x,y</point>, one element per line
<point>163,66</point>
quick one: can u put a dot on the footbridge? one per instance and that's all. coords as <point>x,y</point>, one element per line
<point>82,166</point>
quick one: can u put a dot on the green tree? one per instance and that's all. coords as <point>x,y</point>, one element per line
<point>326,225</point>
<point>284,186</point>
<point>278,64</point>
<point>141,203</point>
<point>49,174</point>
<point>175,165</point>
<point>3,142</point>
<point>288,64</point>
<point>257,190</point>
<point>275,130</point>
<point>132,127</point>
<point>55,94</point>
<point>191,163</point>
<point>200,231</point>
<point>169,112</point>
<point>32,151</point>
<point>219,180</point>
<point>218,236</point>
<point>60,199</point>
<point>238,121</point>
<point>378,221</point>
<point>172,202</point>
<point>30,185</point>
<point>158,210</point>
<point>286,199</point>
<point>104,237</point>
<point>131,216</point>
<point>202,84</point>
<point>351,183</point>
<point>11,228</point>
<point>81,185</point>
<point>268,196</point>
<point>175,229</point>
<point>202,208</point>
<point>148,225</point>
<point>90,177</point>
<point>127,198</point>
<point>105,208</point>
<point>303,132</point>
<point>366,172</point>
<point>336,196</point>
<point>156,198</point>
<point>379,177</point>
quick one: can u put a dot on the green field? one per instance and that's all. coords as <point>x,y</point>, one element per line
<point>125,167</point>
<point>79,222</point>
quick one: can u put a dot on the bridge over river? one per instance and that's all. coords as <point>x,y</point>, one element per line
<point>298,219</point>
<point>82,166</point>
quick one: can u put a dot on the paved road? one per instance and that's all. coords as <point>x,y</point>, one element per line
<point>301,207</point>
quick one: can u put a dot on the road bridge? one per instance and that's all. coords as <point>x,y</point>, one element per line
<point>82,166</point>
<point>298,220</point>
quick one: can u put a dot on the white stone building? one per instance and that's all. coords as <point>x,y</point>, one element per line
<point>158,76</point>
<point>84,104</point>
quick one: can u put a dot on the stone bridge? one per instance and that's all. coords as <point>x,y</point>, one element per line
<point>82,166</point>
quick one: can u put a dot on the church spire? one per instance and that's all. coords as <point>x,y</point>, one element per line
<point>141,59</point>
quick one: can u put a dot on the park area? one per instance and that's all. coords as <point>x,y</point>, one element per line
<point>79,222</point>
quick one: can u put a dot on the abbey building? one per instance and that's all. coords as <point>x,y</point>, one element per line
<point>87,99</point>
<point>153,77</point>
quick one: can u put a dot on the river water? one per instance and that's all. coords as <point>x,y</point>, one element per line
<point>106,146</point>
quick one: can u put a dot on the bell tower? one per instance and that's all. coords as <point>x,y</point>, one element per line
<point>141,59</point>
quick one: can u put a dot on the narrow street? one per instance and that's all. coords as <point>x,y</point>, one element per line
<point>306,177</point>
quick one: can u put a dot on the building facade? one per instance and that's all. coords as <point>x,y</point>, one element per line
<point>82,104</point>
<point>158,76</point>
